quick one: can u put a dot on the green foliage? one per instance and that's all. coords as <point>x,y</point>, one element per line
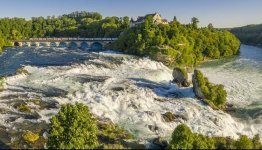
<point>76,24</point>
<point>183,70</point>
<point>23,108</point>
<point>113,132</point>
<point>250,34</point>
<point>256,142</point>
<point>215,95</point>
<point>183,138</point>
<point>73,127</point>
<point>244,143</point>
<point>22,71</point>
<point>202,142</point>
<point>30,137</point>
<point>177,44</point>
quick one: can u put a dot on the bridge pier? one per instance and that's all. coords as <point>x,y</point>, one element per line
<point>78,44</point>
<point>57,44</point>
<point>47,44</point>
<point>28,44</point>
<point>37,44</point>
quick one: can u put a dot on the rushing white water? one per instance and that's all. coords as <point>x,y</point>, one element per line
<point>242,78</point>
<point>133,93</point>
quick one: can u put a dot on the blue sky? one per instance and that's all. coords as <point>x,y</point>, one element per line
<point>222,13</point>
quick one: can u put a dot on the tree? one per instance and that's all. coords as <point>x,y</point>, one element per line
<point>243,143</point>
<point>210,26</point>
<point>73,127</point>
<point>203,142</point>
<point>256,142</point>
<point>182,138</point>
<point>194,21</point>
<point>174,19</point>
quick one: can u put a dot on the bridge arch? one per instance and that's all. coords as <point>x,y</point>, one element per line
<point>17,44</point>
<point>97,46</point>
<point>33,44</point>
<point>84,45</point>
<point>53,44</point>
<point>72,45</point>
<point>63,44</point>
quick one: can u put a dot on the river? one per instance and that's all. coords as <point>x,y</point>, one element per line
<point>132,92</point>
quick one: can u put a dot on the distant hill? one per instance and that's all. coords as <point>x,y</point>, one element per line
<point>250,34</point>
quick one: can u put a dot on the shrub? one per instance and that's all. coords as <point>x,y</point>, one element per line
<point>244,143</point>
<point>24,108</point>
<point>256,142</point>
<point>202,142</point>
<point>215,95</point>
<point>182,138</point>
<point>30,137</point>
<point>73,127</point>
<point>110,132</point>
<point>22,71</point>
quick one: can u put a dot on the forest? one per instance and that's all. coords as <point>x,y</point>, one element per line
<point>76,24</point>
<point>250,34</point>
<point>177,44</point>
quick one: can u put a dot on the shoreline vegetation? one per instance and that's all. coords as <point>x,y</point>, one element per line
<point>184,138</point>
<point>250,34</point>
<point>177,44</point>
<point>75,24</point>
<point>212,94</point>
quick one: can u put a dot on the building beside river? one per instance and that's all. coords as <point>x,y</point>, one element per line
<point>157,19</point>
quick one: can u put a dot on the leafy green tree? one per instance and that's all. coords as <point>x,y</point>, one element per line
<point>182,138</point>
<point>256,142</point>
<point>174,19</point>
<point>202,142</point>
<point>194,21</point>
<point>73,128</point>
<point>215,95</point>
<point>210,26</point>
<point>244,143</point>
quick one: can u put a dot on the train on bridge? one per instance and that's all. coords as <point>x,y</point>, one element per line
<point>83,43</point>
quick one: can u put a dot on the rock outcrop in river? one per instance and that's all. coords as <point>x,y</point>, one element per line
<point>180,77</point>
<point>196,87</point>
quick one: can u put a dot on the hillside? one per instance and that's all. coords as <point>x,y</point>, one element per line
<point>177,44</point>
<point>250,34</point>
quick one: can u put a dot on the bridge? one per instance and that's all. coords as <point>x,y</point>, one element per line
<point>83,43</point>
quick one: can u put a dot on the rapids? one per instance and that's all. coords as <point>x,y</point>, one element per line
<point>132,92</point>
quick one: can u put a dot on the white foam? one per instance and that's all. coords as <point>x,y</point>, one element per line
<point>134,106</point>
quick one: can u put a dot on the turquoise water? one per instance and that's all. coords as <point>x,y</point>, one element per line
<point>242,77</point>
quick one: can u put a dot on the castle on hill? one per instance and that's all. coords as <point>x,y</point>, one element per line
<point>157,19</point>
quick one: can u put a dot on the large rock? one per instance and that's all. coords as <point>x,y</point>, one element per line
<point>168,117</point>
<point>197,90</point>
<point>180,77</point>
